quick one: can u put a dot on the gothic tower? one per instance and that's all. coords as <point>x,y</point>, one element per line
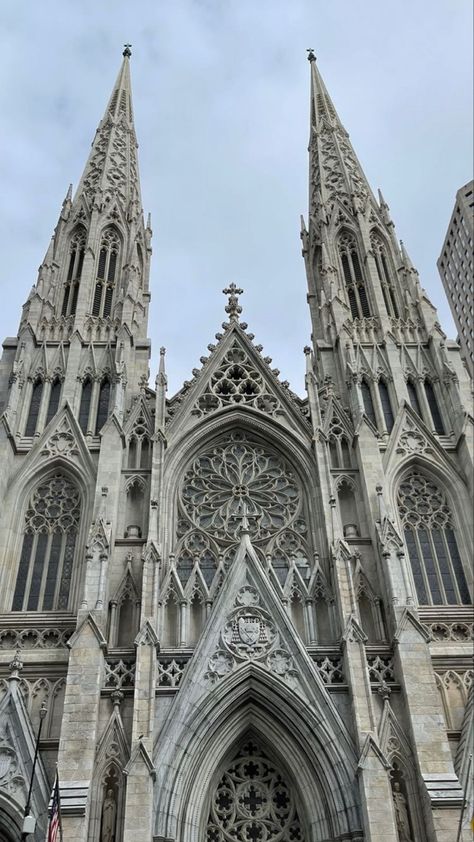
<point>246,613</point>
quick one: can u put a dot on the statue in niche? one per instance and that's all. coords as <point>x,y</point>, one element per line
<point>109,817</point>
<point>401,813</point>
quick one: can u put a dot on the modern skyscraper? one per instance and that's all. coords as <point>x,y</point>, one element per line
<point>247,613</point>
<point>455,265</point>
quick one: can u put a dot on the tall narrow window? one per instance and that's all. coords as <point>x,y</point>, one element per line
<point>54,398</point>
<point>384,274</point>
<point>386,405</point>
<point>35,404</point>
<point>434,408</point>
<point>77,249</point>
<point>85,406</point>
<point>431,542</point>
<point>368,402</point>
<point>49,544</point>
<point>353,277</point>
<point>106,274</point>
<point>103,405</point>
<point>413,397</point>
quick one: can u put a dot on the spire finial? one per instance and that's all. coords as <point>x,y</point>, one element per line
<point>127,51</point>
<point>311,55</point>
<point>233,308</point>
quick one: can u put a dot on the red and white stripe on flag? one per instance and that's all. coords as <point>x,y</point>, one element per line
<point>54,817</point>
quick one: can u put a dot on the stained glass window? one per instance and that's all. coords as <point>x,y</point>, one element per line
<point>431,542</point>
<point>49,543</point>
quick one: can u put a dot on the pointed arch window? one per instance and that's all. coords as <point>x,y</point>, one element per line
<point>49,546</point>
<point>253,800</point>
<point>385,275</point>
<point>84,409</point>
<point>77,249</point>
<point>434,408</point>
<point>54,399</point>
<point>386,405</point>
<point>413,397</point>
<point>431,542</point>
<point>353,277</point>
<point>367,400</point>
<point>35,405</point>
<point>107,269</point>
<point>102,405</point>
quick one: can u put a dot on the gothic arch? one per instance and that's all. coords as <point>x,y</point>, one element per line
<point>253,701</point>
<point>446,479</point>
<point>270,434</point>
<point>30,477</point>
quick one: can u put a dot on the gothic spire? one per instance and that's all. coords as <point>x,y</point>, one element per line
<point>111,173</point>
<point>335,172</point>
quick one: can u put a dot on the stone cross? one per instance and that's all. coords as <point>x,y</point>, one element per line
<point>233,308</point>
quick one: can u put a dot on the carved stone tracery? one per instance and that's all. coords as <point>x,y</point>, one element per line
<point>253,801</point>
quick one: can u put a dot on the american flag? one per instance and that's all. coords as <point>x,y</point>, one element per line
<point>55,817</point>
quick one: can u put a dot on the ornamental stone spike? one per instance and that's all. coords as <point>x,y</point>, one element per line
<point>233,308</point>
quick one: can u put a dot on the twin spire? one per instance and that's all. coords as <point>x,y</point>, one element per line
<point>111,172</point>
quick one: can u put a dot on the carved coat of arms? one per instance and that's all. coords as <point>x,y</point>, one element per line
<point>248,628</point>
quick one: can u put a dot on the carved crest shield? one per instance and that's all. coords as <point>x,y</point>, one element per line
<point>249,630</point>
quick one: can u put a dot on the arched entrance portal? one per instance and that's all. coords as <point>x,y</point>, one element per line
<point>254,800</point>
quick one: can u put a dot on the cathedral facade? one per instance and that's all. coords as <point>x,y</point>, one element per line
<point>238,615</point>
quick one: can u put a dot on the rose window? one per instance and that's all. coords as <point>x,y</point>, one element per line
<point>239,478</point>
<point>253,802</point>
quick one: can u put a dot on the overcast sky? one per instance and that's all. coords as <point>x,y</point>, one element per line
<point>221,100</point>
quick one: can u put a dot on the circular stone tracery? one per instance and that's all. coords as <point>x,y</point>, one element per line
<point>236,478</point>
<point>253,802</point>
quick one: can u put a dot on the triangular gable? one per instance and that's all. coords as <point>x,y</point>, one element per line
<point>235,376</point>
<point>407,619</point>
<point>114,738</point>
<point>17,747</point>
<point>89,620</point>
<point>411,437</point>
<point>139,409</point>
<point>140,755</point>
<point>63,441</point>
<point>392,738</point>
<point>370,747</point>
<point>248,628</point>
<point>335,414</point>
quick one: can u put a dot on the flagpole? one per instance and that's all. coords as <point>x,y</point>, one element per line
<point>59,806</point>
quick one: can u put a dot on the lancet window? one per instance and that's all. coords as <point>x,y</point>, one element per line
<point>386,405</point>
<point>102,405</point>
<point>434,407</point>
<point>77,248</point>
<point>84,409</point>
<point>54,398</point>
<point>139,446</point>
<point>107,269</point>
<point>253,800</point>
<point>34,408</point>
<point>49,546</point>
<point>385,275</point>
<point>339,451</point>
<point>413,397</point>
<point>368,402</point>
<point>431,542</point>
<point>353,277</point>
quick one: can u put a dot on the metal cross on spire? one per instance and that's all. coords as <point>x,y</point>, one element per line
<point>127,51</point>
<point>233,308</point>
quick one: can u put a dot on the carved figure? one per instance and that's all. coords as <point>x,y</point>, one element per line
<point>401,814</point>
<point>109,818</point>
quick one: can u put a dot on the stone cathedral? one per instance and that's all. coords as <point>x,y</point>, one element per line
<point>236,614</point>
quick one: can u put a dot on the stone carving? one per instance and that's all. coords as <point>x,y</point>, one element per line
<point>253,801</point>
<point>61,443</point>
<point>422,503</point>
<point>330,669</point>
<point>49,638</point>
<point>380,668</point>
<point>236,381</point>
<point>170,672</point>
<point>109,817</point>
<point>240,472</point>
<point>119,674</point>
<point>250,634</point>
<point>451,631</point>
<point>401,813</point>
<point>11,778</point>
